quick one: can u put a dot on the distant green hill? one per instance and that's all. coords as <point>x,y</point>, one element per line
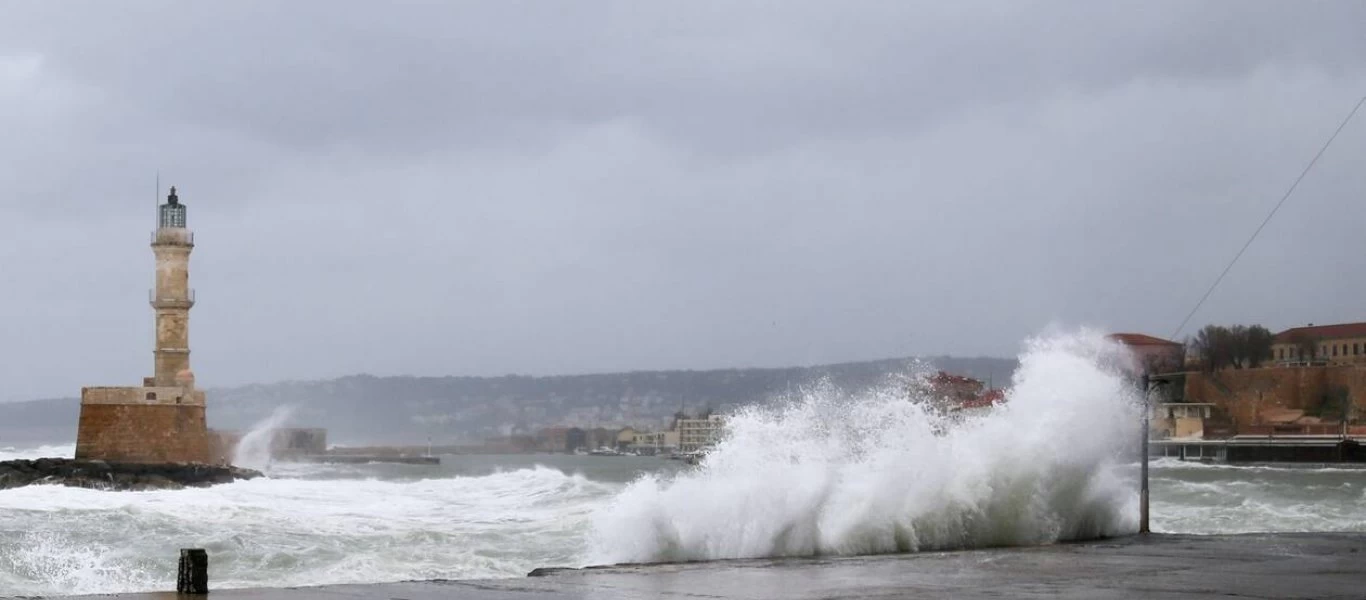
<point>367,409</point>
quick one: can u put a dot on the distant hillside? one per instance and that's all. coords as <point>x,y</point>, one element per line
<point>367,409</point>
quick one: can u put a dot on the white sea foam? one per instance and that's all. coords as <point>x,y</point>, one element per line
<point>288,532</point>
<point>51,450</point>
<point>829,473</point>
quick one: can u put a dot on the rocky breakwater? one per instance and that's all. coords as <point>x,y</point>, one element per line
<point>98,474</point>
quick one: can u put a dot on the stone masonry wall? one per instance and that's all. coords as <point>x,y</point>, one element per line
<point>223,445</point>
<point>143,433</point>
<point>1247,394</point>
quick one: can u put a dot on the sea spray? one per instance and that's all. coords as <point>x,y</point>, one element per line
<point>253,450</point>
<point>832,473</point>
<point>336,526</point>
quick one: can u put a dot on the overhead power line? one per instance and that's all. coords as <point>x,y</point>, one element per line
<point>1269,215</point>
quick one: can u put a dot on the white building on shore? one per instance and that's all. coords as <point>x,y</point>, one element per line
<point>700,433</point>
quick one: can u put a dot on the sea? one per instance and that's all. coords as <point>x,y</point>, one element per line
<point>821,471</point>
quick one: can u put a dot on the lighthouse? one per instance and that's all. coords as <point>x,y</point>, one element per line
<point>172,297</point>
<point>161,421</point>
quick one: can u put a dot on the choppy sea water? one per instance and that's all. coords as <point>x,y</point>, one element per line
<point>470,517</point>
<point>822,472</point>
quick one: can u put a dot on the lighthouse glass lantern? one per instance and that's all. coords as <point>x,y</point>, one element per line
<point>172,212</point>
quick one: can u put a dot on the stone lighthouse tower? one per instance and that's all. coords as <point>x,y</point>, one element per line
<point>172,298</point>
<point>161,421</point>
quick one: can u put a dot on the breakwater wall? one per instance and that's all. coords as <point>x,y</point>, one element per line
<point>1264,449</point>
<point>113,476</point>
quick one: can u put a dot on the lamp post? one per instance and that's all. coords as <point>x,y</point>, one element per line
<point>1147,387</point>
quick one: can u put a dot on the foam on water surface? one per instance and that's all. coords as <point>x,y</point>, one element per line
<point>295,532</point>
<point>824,471</point>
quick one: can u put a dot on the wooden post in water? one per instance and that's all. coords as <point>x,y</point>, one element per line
<point>193,577</point>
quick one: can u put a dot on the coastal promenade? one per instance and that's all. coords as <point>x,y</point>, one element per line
<point>1324,566</point>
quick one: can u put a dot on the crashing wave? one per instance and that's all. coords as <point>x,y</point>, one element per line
<point>828,472</point>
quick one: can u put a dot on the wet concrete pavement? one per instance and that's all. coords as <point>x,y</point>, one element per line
<point>1322,566</point>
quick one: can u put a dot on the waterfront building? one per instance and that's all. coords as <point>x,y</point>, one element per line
<point>699,433</point>
<point>655,442</point>
<point>1179,420</point>
<point>1340,344</point>
<point>553,439</point>
<point>955,389</point>
<point>625,437</point>
<point>1153,355</point>
<point>979,406</point>
<point>599,437</point>
<point>161,421</point>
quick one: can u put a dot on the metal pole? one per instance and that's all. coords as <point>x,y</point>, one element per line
<point>1143,490</point>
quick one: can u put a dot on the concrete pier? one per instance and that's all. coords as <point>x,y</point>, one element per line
<point>1322,566</point>
<point>365,458</point>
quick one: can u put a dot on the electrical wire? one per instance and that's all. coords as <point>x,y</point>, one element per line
<point>1273,212</point>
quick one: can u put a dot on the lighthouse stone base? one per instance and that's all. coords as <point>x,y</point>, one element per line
<point>149,424</point>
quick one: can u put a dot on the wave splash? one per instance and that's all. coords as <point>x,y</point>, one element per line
<point>828,473</point>
<point>253,450</point>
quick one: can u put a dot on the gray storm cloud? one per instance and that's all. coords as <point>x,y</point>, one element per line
<point>520,187</point>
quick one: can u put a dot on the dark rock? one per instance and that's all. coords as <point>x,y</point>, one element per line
<point>98,474</point>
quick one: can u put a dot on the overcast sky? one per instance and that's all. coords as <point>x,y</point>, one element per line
<point>439,188</point>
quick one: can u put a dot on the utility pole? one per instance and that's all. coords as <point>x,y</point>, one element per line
<point>1143,489</point>
<point>1147,387</point>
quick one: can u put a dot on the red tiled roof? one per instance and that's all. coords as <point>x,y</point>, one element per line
<point>1140,339</point>
<point>991,397</point>
<point>942,377</point>
<point>1322,332</point>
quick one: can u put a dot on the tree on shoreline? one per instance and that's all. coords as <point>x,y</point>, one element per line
<point>1239,346</point>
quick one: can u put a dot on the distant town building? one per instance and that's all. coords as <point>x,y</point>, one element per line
<point>1153,354</point>
<point>625,437</point>
<point>655,442</point>
<point>161,421</point>
<point>1179,420</point>
<point>699,433</point>
<point>956,396</point>
<point>1343,344</point>
<point>553,439</point>
<point>599,437</point>
<point>981,405</point>
<point>955,388</point>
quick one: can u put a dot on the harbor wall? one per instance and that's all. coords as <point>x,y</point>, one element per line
<point>1253,397</point>
<point>142,433</point>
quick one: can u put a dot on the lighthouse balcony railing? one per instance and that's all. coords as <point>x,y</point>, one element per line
<point>173,235</point>
<point>187,301</point>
